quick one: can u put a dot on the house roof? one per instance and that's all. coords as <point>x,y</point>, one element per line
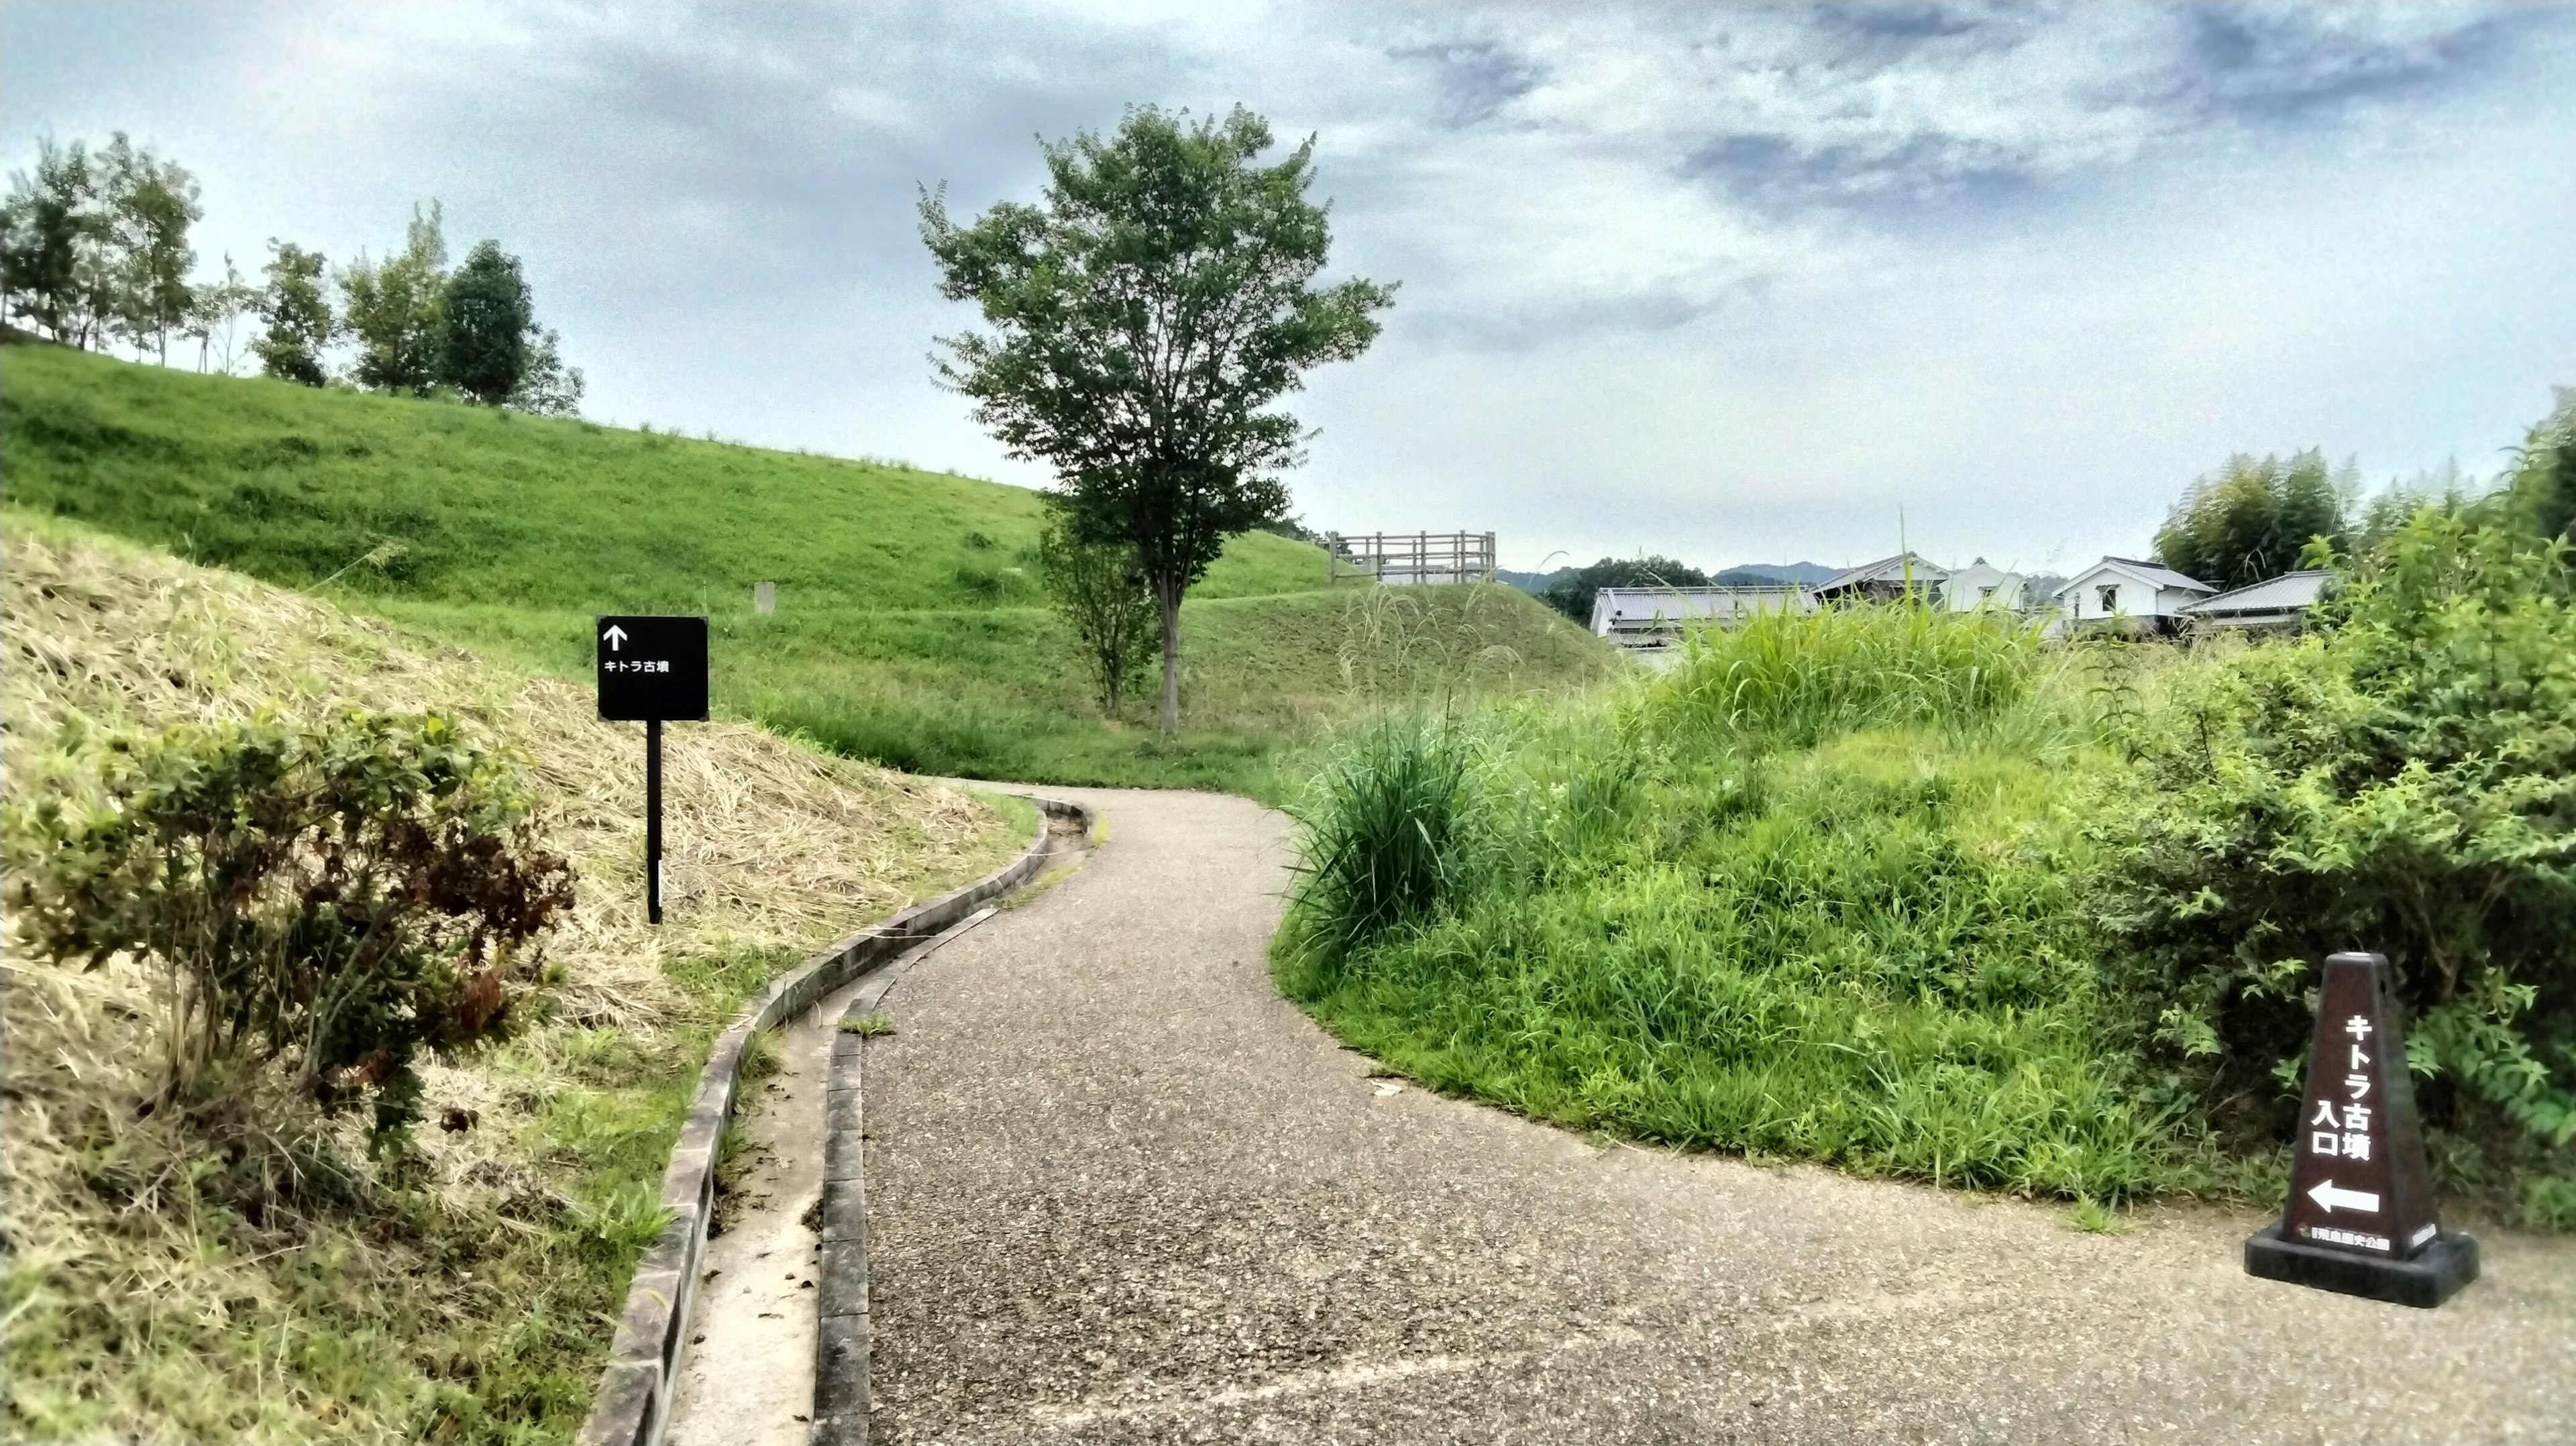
<point>2289,592</point>
<point>1616,605</point>
<point>2153,574</point>
<point>1980,569</point>
<point>1886,569</point>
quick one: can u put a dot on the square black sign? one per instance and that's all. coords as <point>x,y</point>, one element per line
<point>652,667</point>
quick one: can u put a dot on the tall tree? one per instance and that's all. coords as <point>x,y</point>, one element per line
<point>297,312</point>
<point>149,203</point>
<point>396,309</point>
<point>53,231</point>
<point>2251,519</point>
<point>485,350</point>
<point>1146,315</point>
<point>548,388</point>
<point>214,308</point>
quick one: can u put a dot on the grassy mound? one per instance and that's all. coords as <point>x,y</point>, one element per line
<point>1802,897</point>
<point>910,628</point>
<point>467,1292</point>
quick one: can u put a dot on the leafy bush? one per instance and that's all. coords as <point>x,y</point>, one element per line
<point>331,899</point>
<point>2404,783</point>
<point>1099,590</point>
<point>1778,901</point>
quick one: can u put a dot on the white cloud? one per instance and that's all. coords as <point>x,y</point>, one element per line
<point>1725,283</point>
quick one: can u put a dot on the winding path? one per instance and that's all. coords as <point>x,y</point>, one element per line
<point>1119,1190</point>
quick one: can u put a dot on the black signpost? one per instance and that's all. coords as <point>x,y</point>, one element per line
<point>653,669</point>
<point>2360,1218</point>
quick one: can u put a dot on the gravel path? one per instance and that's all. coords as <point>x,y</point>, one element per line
<point>1120,1191</point>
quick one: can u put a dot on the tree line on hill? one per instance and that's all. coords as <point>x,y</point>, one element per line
<point>2259,517</point>
<point>2253,518</point>
<point>95,251</point>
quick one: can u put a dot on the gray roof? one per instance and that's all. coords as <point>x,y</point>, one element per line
<point>2289,592</point>
<point>1616,605</point>
<point>1886,569</point>
<point>2151,572</point>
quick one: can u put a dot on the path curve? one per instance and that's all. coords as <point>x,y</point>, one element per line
<point>1119,1190</point>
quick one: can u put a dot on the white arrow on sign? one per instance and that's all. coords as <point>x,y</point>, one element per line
<point>614,636</point>
<point>2329,1194</point>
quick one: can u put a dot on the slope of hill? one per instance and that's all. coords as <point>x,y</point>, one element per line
<point>469,1293</point>
<point>910,627</point>
<point>293,485</point>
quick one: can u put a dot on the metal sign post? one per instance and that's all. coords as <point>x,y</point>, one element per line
<point>2360,1218</point>
<point>652,669</point>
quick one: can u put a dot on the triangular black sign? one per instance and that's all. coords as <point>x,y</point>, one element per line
<point>2361,1195</point>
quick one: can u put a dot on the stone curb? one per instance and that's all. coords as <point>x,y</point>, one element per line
<point>841,1293</point>
<point>633,1402</point>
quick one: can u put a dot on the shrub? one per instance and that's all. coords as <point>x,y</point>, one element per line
<point>327,899</point>
<point>1099,590</point>
<point>2405,783</point>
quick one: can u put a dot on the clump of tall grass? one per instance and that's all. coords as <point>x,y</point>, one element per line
<point>1387,834</point>
<point>1792,679</point>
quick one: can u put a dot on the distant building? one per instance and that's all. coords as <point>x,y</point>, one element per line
<point>1647,619</point>
<point>2278,603</point>
<point>1885,580</point>
<point>2144,596</point>
<point>1981,584</point>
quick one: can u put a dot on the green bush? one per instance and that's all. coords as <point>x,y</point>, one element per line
<point>2403,782</point>
<point>1778,902</point>
<point>328,899</point>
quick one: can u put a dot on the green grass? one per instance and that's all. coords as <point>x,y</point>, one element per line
<point>292,485</point>
<point>910,629</point>
<point>155,1288</point>
<point>1804,897</point>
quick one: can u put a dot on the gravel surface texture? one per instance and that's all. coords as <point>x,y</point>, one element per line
<point>1119,1191</point>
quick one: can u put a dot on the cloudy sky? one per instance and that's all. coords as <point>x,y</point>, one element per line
<point>1729,283</point>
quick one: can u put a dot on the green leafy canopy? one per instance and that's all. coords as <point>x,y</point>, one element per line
<point>1147,316</point>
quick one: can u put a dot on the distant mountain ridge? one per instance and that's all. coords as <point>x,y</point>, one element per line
<point>1754,573</point>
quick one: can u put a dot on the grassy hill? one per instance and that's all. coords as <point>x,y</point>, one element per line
<point>911,629</point>
<point>161,1285</point>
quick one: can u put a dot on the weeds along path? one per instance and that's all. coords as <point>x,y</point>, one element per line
<point>1119,1190</point>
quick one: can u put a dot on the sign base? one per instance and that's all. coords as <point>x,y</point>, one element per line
<point>2446,1264</point>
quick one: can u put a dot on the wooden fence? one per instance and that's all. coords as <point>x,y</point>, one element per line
<point>1418,557</point>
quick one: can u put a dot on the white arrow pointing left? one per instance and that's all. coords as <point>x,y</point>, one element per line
<point>2329,1194</point>
<point>614,636</point>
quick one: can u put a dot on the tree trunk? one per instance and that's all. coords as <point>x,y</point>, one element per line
<point>1170,598</point>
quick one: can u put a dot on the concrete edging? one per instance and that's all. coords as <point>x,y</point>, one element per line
<point>841,1295</point>
<point>633,1401</point>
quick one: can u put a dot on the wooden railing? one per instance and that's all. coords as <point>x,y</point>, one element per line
<point>1416,557</point>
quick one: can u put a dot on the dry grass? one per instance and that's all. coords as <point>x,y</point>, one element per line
<point>773,850</point>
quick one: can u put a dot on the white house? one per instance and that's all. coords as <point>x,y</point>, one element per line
<point>2149,596</point>
<point>1982,584</point>
<point>1645,619</point>
<point>2276,602</point>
